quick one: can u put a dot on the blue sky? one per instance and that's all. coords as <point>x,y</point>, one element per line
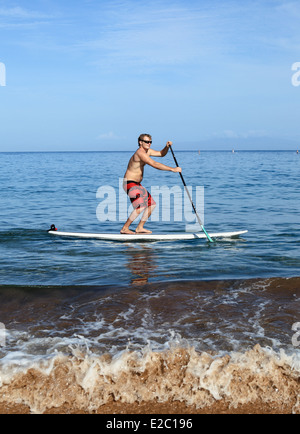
<point>94,74</point>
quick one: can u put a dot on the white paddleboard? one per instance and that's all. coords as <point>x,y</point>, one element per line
<point>147,237</point>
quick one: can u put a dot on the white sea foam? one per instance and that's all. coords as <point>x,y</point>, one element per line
<point>86,381</point>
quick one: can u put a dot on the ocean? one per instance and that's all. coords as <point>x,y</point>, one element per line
<point>87,323</point>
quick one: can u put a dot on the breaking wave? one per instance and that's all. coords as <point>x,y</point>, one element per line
<point>84,381</point>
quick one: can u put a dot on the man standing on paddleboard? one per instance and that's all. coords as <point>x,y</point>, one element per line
<point>141,200</point>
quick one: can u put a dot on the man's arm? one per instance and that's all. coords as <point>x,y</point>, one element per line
<point>147,160</point>
<point>161,153</point>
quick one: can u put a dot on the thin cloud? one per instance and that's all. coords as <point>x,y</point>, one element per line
<point>150,38</point>
<point>18,18</point>
<point>145,37</point>
<point>251,134</point>
<point>108,136</point>
<point>21,13</point>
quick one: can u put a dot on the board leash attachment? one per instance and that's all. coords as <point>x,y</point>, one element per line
<point>52,229</point>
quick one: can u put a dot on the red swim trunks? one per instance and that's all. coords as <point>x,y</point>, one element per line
<point>139,196</point>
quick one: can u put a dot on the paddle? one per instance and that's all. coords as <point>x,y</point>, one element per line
<point>188,193</point>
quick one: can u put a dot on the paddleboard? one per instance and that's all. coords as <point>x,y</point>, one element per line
<point>147,237</point>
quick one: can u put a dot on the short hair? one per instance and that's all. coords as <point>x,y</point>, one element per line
<point>142,136</point>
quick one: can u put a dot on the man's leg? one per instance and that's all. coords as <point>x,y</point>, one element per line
<point>133,216</point>
<point>142,202</point>
<point>140,227</point>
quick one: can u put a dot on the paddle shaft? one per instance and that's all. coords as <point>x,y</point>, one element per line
<point>191,200</point>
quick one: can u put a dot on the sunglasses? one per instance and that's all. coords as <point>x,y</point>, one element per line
<point>147,141</point>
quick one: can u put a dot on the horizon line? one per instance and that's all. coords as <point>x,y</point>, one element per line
<point>177,150</point>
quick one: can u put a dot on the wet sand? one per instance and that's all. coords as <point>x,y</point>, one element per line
<point>221,407</point>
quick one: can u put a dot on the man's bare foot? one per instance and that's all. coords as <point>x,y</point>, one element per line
<point>127,232</point>
<point>142,231</point>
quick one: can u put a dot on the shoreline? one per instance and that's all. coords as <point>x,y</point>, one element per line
<point>78,376</point>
